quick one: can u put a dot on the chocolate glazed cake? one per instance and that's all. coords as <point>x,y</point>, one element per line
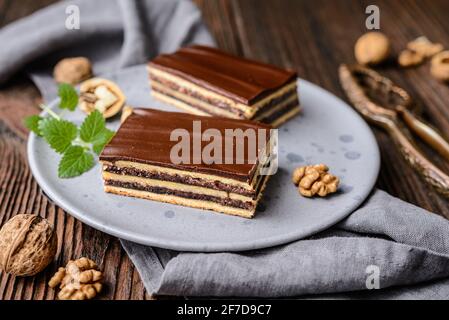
<point>138,162</point>
<point>207,81</point>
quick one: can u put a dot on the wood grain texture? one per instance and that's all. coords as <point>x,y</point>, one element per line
<point>19,193</point>
<point>311,36</point>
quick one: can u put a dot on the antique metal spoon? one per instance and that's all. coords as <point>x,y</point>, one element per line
<point>371,94</point>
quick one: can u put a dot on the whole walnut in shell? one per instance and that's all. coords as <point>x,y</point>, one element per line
<point>72,70</point>
<point>27,245</point>
<point>372,48</point>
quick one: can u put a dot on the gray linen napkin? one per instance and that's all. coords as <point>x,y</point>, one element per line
<point>112,34</point>
<point>402,244</point>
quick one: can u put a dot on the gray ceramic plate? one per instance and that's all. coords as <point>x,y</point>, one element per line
<point>328,131</point>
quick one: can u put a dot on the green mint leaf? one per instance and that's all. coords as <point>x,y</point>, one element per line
<point>93,125</point>
<point>75,162</point>
<point>68,96</point>
<point>101,140</point>
<point>32,123</point>
<point>58,133</point>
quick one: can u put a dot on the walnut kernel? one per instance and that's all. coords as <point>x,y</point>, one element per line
<point>27,245</point>
<point>372,48</point>
<point>410,58</point>
<point>315,180</point>
<point>72,70</point>
<point>79,280</point>
<point>440,66</point>
<point>425,47</point>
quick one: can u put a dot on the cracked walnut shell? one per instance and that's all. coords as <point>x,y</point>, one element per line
<point>372,48</point>
<point>440,66</point>
<point>27,245</point>
<point>79,280</point>
<point>72,70</point>
<point>102,95</point>
<point>315,180</point>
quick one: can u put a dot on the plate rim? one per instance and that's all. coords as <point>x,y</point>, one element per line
<point>198,246</point>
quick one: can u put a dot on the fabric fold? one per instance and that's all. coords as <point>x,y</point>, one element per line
<point>112,34</point>
<point>407,245</point>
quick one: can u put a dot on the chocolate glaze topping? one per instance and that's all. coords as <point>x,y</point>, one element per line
<point>145,137</point>
<point>240,79</point>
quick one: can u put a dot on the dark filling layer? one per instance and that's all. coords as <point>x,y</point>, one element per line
<point>275,102</point>
<point>215,102</point>
<point>188,195</point>
<point>216,185</point>
<point>273,117</point>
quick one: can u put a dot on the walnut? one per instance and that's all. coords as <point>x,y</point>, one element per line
<point>410,58</point>
<point>126,112</point>
<point>372,48</point>
<point>72,70</point>
<point>424,47</point>
<point>440,66</point>
<point>315,180</point>
<point>79,280</point>
<point>27,245</point>
<point>102,95</point>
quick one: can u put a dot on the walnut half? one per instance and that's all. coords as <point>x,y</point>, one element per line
<point>440,66</point>
<point>102,95</point>
<point>425,47</point>
<point>315,180</point>
<point>79,280</point>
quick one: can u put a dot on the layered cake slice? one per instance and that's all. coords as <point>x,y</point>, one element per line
<point>207,81</point>
<point>212,163</point>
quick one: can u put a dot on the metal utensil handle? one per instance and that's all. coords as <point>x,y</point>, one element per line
<point>434,176</point>
<point>426,132</point>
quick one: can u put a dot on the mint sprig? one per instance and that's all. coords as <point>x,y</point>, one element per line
<point>77,145</point>
<point>75,162</point>
<point>59,134</point>
<point>32,123</point>
<point>68,97</point>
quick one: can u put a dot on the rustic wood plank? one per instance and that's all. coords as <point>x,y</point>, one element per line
<point>312,37</point>
<point>20,193</point>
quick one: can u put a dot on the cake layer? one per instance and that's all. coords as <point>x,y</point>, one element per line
<point>206,107</point>
<point>171,83</point>
<point>239,79</point>
<point>203,107</point>
<point>284,117</point>
<point>183,194</point>
<point>142,169</point>
<point>170,198</point>
<point>285,102</point>
<point>167,184</point>
<point>284,112</point>
<point>281,115</point>
<point>145,137</point>
<point>185,179</point>
<point>190,199</point>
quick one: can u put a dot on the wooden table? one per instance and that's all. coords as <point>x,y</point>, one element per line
<point>310,36</point>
